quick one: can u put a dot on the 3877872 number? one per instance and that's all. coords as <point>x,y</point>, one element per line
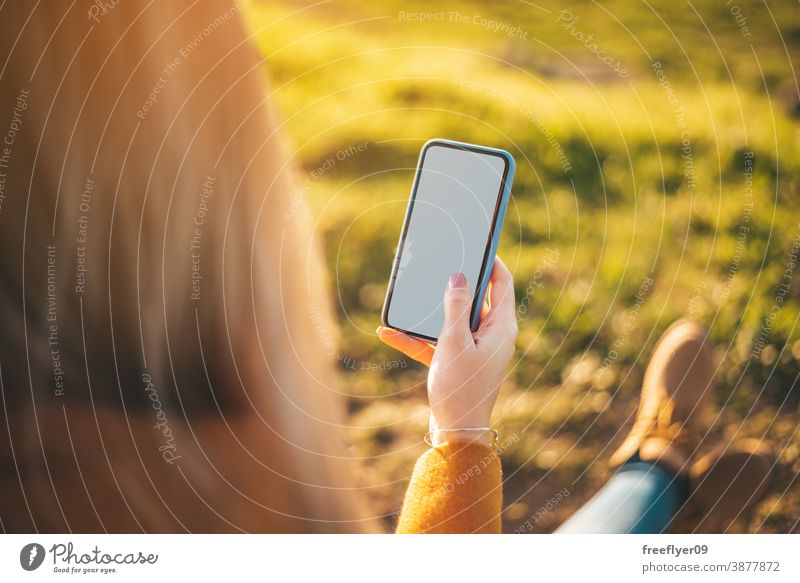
<point>754,566</point>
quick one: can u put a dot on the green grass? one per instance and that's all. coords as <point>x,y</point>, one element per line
<point>601,180</point>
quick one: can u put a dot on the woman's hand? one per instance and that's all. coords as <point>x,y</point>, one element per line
<point>466,369</point>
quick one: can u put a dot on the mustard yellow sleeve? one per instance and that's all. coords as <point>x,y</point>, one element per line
<point>455,488</point>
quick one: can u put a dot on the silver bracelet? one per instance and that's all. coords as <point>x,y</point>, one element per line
<point>494,435</point>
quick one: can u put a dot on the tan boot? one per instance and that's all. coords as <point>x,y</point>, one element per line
<point>676,395</point>
<point>725,484</point>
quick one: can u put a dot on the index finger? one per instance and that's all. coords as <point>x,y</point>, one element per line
<point>412,347</point>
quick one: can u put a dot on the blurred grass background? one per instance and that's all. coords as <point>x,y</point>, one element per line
<point>605,201</point>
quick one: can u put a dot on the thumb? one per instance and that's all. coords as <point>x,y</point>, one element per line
<point>457,304</point>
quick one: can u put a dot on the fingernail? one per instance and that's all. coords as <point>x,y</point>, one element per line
<point>457,280</point>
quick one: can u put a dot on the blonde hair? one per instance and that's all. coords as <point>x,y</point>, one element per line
<point>164,305</point>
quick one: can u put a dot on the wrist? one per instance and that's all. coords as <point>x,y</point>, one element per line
<point>452,423</point>
<point>473,430</point>
<point>442,436</point>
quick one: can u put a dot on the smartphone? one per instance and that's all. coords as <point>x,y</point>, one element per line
<point>452,224</point>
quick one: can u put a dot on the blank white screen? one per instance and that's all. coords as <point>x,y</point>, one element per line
<point>449,228</point>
